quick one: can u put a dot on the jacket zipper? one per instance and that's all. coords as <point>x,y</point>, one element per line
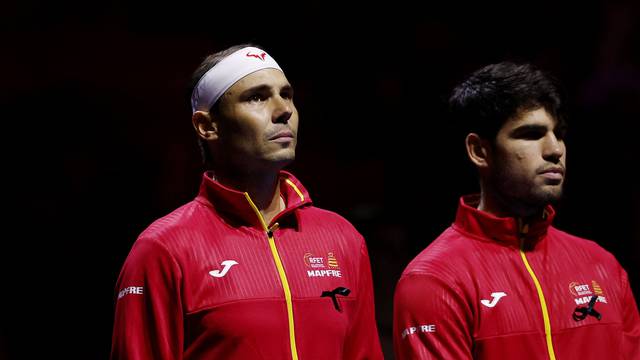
<point>283,276</point>
<point>523,229</point>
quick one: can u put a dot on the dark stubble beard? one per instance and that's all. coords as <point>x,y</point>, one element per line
<point>524,199</point>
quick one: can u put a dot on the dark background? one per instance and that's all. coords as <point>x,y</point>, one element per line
<point>98,142</point>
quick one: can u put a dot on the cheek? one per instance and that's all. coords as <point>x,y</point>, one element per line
<point>524,159</point>
<point>254,130</point>
<point>514,167</point>
<point>294,122</point>
<point>248,138</point>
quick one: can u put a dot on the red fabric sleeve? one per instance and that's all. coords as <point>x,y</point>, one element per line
<point>431,320</point>
<point>148,317</point>
<point>362,341</point>
<point>631,322</point>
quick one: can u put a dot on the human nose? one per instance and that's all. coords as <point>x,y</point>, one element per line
<point>554,147</point>
<point>283,109</point>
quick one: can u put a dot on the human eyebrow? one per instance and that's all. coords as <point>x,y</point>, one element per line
<point>258,89</point>
<point>529,131</point>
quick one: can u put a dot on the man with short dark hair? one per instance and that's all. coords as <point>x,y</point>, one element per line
<point>250,269</point>
<point>502,282</point>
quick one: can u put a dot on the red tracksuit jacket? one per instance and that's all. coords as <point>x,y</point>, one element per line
<point>211,280</point>
<point>489,288</point>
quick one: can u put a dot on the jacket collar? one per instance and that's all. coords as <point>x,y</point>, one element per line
<point>509,230</point>
<point>235,206</point>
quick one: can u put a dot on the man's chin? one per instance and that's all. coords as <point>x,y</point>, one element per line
<point>283,158</point>
<point>548,196</point>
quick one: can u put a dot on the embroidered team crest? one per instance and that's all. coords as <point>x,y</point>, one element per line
<point>322,266</point>
<point>584,292</point>
<point>332,261</point>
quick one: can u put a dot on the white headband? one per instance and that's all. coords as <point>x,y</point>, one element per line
<point>226,73</point>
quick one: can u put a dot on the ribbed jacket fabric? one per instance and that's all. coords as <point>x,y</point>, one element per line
<point>212,281</point>
<point>497,288</point>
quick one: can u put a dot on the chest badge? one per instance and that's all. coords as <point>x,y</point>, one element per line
<point>322,266</point>
<point>586,294</point>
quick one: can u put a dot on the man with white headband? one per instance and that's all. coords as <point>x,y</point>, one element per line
<point>249,269</point>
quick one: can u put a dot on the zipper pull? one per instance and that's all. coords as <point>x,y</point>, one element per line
<point>273,228</point>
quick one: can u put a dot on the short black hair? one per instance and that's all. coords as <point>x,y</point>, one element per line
<point>483,102</point>
<point>209,62</point>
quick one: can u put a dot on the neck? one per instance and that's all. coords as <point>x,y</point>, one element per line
<point>263,188</point>
<point>494,203</point>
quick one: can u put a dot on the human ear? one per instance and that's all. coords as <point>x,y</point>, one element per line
<point>205,125</point>
<point>477,150</point>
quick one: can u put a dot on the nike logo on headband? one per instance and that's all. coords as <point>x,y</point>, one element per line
<point>260,56</point>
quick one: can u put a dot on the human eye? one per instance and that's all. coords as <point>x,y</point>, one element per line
<point>256,98</point>
<point>287,93</point>
<point>530,132</point>
<point>560,132</point>
<point>532,135</point>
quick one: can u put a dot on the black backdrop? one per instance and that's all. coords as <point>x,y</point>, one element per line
<point>98,141</point>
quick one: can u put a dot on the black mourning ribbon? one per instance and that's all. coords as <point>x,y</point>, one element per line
<point>581,312</point>
<point>332,294</point>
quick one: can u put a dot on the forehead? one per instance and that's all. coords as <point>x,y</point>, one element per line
<point>535,117</point>
<point>273,78</point>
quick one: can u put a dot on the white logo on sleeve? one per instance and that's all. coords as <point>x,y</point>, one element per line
<point>426,328</point>
<point>135,290</point>
<point>496,297</point>
<point>227,265</point>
